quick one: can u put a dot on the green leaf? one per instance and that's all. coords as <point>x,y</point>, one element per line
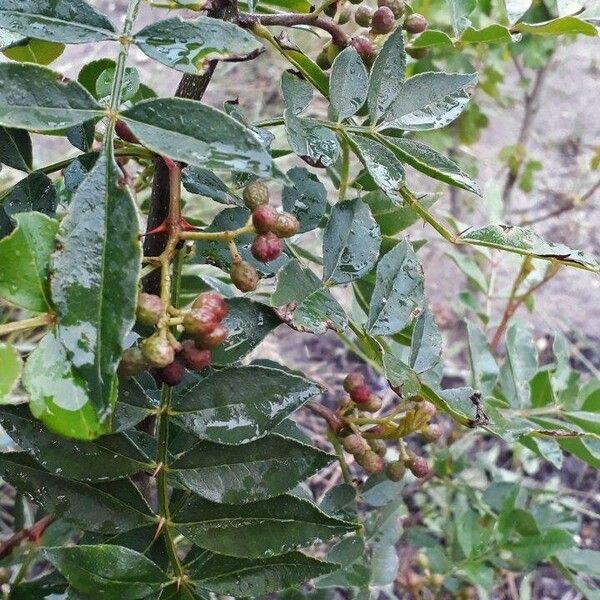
<point>35,192</point>
<point>347,84</point>
<point>459,13</point>
<point>240,404</point>
<point>426,345</point>
<point>305,198</point>
<point>304,302</point>
<point>489,34</point>
<point>33,97</point>
<point>188,45</point>
<point>138,398</point>
<point>398,296</point>
<point>381,163</point>
<point>257,529</point>
<point>104,83</point>
<point>526,242</point>
<point>429,101</point>
<point>12,366</point>
<point>95,280</point>
<point>350,242</point>
<point>401,377</point>
<point>247,323</point>
<point>515,9</point>
<point>107,571</point>
<point>297,93</point>
<point>535,548</point>
<point>311,141</point>
<point>30,50</point>
<point>15,149</point>
<point>387,76</point>
<point>109,457</point>
<point>255,577</point>
<point>25,257</point>
<point>309,69</point>
<point>225,145</point>
<point>68,21</point>
<point>581,560</point>
<point>561,26</point>
<point>58,395</point>
<point>425,159</point>
<point>431,37</point>
<point>462,404</point>
<point>383,537</point>
<point>484,369</point>
<point>256,471</point>
<point>204,182</point>
<point>106,508</point>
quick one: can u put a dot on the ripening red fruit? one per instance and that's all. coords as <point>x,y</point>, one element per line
<point>360,394</point>
<point>371,462</point>
<point>194,358</point>
<point>213,301</point>
<point>418,466</point>
<point>378,446</point>
<point>255,194</point>
<point>383,20</point>
<point>363,16</point>
<point>157,350</point>
<point>354,444</point>
<point>396,6</point>
<point>244,276</point>
<point>132,362</point>
<point>149,309</point>
<point>213,339</point>
<point>171,374</point>
<point>286,225</point>
<point>266,247</point>
<point>433,432</point>
<point>264,218</point>
<point>364,47</point>
<point>427,408</point>
<point>199,321</point>
<point>415,23</point>
<point>353,380</point>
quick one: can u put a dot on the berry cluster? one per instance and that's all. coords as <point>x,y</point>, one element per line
<point>270,226</point>
<point>165,355</point>
<point>368,446</point>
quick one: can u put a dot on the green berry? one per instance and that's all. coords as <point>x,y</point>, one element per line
<point>373,404</point>
<point>378,446</point>
<point>344,15</point>
<point>415,23</point>
<point>331,50</point>
<point>286,225</point>
<point>255,194</point>
<point>149,309</point>
<point>363,15</point>
<point>355,444</point>
<point>432,433</point>
<point>394,471</point>
<point>158,351</point>
<point>132,362</point>
<point>371,462</point>
<point>244,276</point>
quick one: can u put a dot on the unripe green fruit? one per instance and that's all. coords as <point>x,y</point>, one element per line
<point>264,219</point>
<point>344,15</point>
<point>266,247</point>
<point>171,374</point>
<point>255,194</point>
<point>396,6</point>
<point>213,339</point>
<point>286,225</point>
<point>195,359</point>
<point>383,20</point>
<point>244,276</point>
<point>199,321</point>
<point>213,301</point>
<point>355,444</point>
<point>331,9</point>
<point>132,362</point>
<point>378,446</point>
<point>149,309</point>
<point>422,561</point>
<point>360,394</point>
<point>331,50</point>
<point>394,471</point>
<point>415,23</point>
<point>353,380</point>
<point>355,1</point>
<point>158,351</point>
<point>363,16</point>
<point>436,580</point>
<point>373,404</point>
<point>371,462</point>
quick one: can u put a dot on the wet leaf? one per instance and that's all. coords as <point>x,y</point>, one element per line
<point>12,366</point>
<point>30,50</point>
<point>188,45</point>
<point>255,577</point>
<point>138,398</point>
<point>459,13</point>
<point>240,404</point>
<point>310,140</point>
<point>108,571</point>
<point>248,323</point>
<point>515,9</point>
<point>381,163</point>
<point>257,529</point>
<point>205,138</point>
<point>68,21</point>
<point>306,198</point>
<point>104,83</point>
<point>204,182</point>
<point>522,240</point>
<point>15,149</point>
<point>95,280</point>
<point>564,25</point>
<point>25,257</point>
<point>36,98</point>
<point>431,163</point>
<point>489,34</point>
<point>245,473</point>
<point>109,457</point>
<point>431,37</point>
<point>297,93</point>
<point>425,347</point>
<point>105,508</point>
<point>33,193</point>
<point>398,296</point>
<point>463,404</point>
<point>429,101</point>
<point>352,558</point>
<point>305,302</point>
<point>484,369</point>
<point>350,242</point>
<point>347,84</point>
<point>387,76</point>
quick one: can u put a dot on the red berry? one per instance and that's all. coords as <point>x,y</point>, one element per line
<point>171,374</point>
<point>353,380</point>
<point>371,462</point>
<point>199,321</point>
<point>360,394</point>
<point>418,467</point>
<point>266,247</point>
<point>286,225</point>
<point>212,301</point>
<point>158,351</point>
<point>396,6</point>
<point>364,47</point>
<point>264,218</point>
<point>415,23</point>
<point>255,194</point>
<point>244,276</point>
<point>149,309</point>
<point>194,358</point>
<point>354,444</point>
<point>383,20</point>
<point>213,339</point>
<point>427,408</point>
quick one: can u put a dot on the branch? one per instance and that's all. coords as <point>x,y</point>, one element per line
<point>33,533</point>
